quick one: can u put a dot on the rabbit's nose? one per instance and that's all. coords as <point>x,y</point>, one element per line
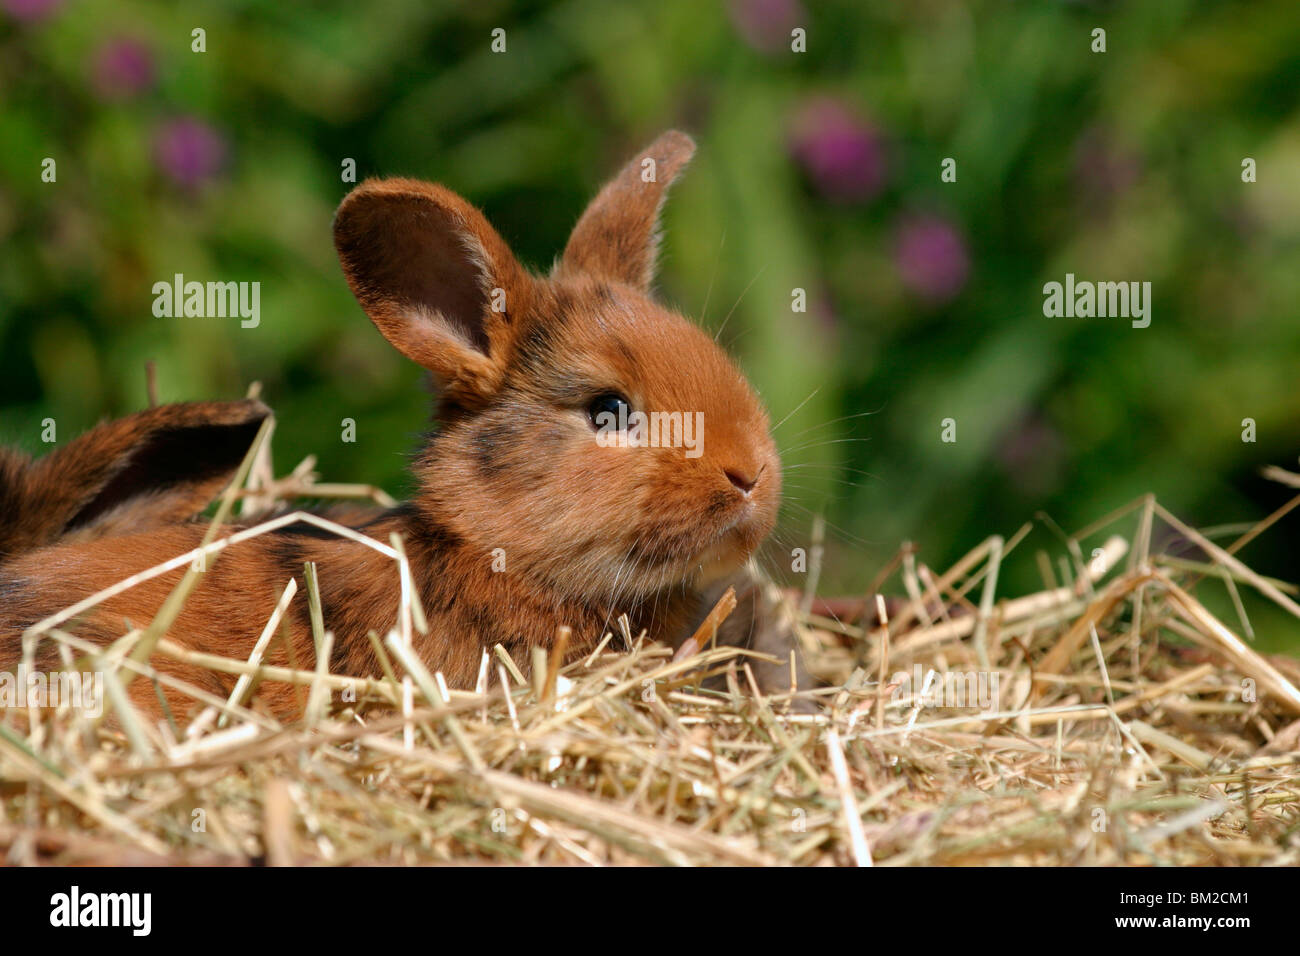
<point>741,479</point>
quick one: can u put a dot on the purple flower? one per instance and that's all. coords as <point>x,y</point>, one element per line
<point>123,68</point>
<point>29,11</point>
<point>766,24</point>
<point>843,155</point>
<point>189,151</point>
<point>931,257</point>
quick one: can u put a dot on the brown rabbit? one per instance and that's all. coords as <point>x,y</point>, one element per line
<point>156,467</point>
<point>515,470</point>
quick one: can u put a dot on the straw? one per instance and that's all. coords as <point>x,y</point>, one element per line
<point>1116,716</point>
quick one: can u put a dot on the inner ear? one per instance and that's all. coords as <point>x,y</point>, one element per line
<point>174,472</point>
<point>420,256</point>
<point>155,467</point>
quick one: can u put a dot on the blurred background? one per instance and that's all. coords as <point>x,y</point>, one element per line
<point>816,170</point>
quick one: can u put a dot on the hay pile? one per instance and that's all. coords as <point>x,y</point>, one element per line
<point>1108,719</point>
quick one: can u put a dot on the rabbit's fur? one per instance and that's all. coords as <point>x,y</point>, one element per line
<point>512,470</point>
<point>155,467</point>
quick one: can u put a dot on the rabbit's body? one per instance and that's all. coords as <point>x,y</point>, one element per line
<point>469,607</point>
<point>524,518</point>
<point>150,469</point>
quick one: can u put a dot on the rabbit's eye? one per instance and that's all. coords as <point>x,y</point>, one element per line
<point>609,410</point>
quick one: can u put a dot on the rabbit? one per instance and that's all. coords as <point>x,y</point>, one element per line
<point>156,467</point>
<point>523,518</point>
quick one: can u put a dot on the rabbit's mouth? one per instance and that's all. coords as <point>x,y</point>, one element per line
<point>742,524</point>
<point>720,560</point>
<point>692,560</point>
<point>728,552</point>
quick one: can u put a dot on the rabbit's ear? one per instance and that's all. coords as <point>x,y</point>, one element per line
<point>160,466</point>
<point>618,236</point>
<point>434,277</point>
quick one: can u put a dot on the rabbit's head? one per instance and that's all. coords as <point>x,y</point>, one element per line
<point>537,377</point>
